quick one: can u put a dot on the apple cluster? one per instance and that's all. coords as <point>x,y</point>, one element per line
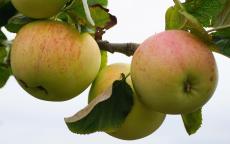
<point>172,72</point>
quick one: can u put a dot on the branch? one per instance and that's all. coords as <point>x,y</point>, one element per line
<point>124,48</point>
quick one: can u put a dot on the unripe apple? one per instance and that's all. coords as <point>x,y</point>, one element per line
<point>52,61</point>
<point>38,8</point>
<point>141,121</point>
<point>174,72</point>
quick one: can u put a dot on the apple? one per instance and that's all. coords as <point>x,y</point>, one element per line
<point>38,8</point>
<point>141,121</point>
<point>174,72</point>
<point>52,61</point>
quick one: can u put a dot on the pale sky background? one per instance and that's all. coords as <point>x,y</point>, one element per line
<point>26,120</point>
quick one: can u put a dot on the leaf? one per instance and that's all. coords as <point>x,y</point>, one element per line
<point>5,73</point>
<point>192,121</point>
<point>195,27</point>
<point>221,31</point>
<point>223,17</point>
<point>214,14</point>
<point>15,23</point>
<point>6,12</point>
<point>2,36</point>
<point>96,2</point>
<point>223,45</point>
<point>106,112</point>
<point>178,18</point>
<point>102,18</point>
<point>174,19</point>
<point>3,54</point>
<point>205,11</point>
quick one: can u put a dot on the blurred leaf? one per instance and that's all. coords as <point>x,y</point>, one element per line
<point>192,121</point>
<point>223,45</point>
<point>5,71</point>
<point>106,112</point>
<point>64,17</point>
<point>100,2</point>
<point>4,75</point>
<point>6,12</point>
<point>15,23</point>
<point>223,33</point>
<point>223,18</point>
<point>2,36</point>
<point>3,54</point>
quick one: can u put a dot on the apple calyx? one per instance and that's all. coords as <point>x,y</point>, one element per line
<point>187,86</point>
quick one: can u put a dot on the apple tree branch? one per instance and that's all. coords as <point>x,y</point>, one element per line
<point>124,48</point>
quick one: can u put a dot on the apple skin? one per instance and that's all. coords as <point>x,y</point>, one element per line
<point>38,8</point>
<point>54,62</point>
<point>141,121</point>
<point>174,72</point>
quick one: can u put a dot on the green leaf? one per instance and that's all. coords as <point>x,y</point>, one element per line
<point>223,18</point>
<point>64,17</point>
<point>192,121</point>
<point>5,73</point>
<point>102,18</point>
<point>106,112</point>
<point>178,18</point>
<point>221,31</point>
<point>100,2</point>
<point>223,45</point>
<point>3,54</point>
<point>6,12</point>
<point>206,11</point>
<point>174,19</point>
<point>195,27</point>
<point>15,23</point>
<point>2,36</point>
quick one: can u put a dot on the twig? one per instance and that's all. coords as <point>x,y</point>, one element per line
<point>124,48</point>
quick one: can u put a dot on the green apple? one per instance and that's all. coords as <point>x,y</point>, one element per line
<point>174,72</point>
<point>141,121</point>
<point>38,8</point>
<point>52,61</point>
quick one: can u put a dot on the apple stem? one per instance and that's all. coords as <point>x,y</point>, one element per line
<point>125,48</point>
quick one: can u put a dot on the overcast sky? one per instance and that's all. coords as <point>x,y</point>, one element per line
<point>26,120</point>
